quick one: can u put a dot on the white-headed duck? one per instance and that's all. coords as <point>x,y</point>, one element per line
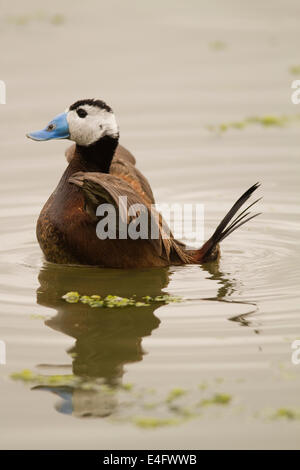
<point>99,171</point>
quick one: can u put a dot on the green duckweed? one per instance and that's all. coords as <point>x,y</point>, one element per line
<point>111,301</point>
<point>264,121</point>
<point>286,413</point>
<point>24,19</point>
<point>217,45</point>
<point>219,380</point>
<point>174,394</point>
<point>25,375</point>
<point>167,299</point>
<point>148,422</point>
<point>57,19</point>
<point>127,387</point>
<point>203,386</point>
<point>150,405</point>
<point>217,399</point>
<point>295,69</point>
<point>28,376</point>
<point>74,297</point>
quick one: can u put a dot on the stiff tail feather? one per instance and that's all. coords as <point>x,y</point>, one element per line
<point>228,225</point>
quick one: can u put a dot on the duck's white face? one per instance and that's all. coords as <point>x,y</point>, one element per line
<point>89,123</point>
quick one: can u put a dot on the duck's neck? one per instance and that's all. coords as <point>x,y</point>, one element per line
<point>98,156</point>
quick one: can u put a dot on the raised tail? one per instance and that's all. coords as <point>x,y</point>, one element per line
<point>229,224</point>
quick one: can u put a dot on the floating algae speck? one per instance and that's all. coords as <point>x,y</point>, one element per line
<point>111,301</point>
<point>135,405</point>
<point>174,394</point>
<point>295,70</point>
<point>286,413</point>
<point>39,16</point>
<point>218,399</point>
<point>267,120</point>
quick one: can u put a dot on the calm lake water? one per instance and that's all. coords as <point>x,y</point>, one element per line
<point>169,69</point>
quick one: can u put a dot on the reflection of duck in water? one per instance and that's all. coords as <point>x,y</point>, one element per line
<point>99,172</point>
<point>106,339</point>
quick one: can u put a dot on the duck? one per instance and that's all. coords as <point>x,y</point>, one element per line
<point>100,171</point>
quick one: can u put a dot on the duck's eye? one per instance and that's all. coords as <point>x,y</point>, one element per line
<point>81,112</point>
<point>51,127</point>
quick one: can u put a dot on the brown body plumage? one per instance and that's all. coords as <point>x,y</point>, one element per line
<point>66,228</point>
